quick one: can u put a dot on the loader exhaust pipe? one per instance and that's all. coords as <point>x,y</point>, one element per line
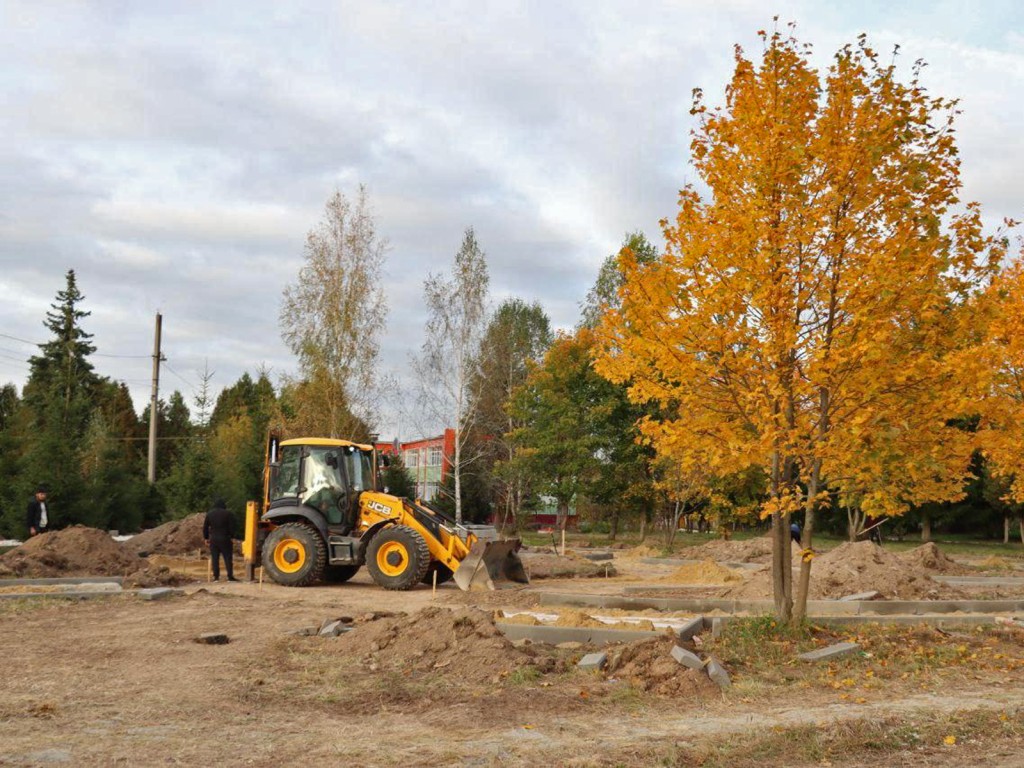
<point>491,565</point>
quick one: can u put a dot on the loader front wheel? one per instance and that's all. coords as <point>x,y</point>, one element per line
<point>294,555</point>
<point>398,558</point>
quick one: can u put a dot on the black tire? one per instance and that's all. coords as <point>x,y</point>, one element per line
<point>301,541</point>
<point>444,574</point>
<point>339,574</point>
<point>397,558</point>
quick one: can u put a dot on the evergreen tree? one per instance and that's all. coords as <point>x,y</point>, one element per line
<point>58,398</point>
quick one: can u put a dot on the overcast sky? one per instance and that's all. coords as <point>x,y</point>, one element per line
<point>175,154</point>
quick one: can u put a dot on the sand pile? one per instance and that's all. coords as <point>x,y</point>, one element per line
<point>852,568</point>
<point>463,641</point>
<point>649,666</point>
<point>81,551</point>
<point>995,563</point>
<point>644,550</point>
<point>544,566</point>
<point>704,572</point>
<point>929,557</point>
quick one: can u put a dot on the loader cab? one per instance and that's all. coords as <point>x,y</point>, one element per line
<point>323,475</point>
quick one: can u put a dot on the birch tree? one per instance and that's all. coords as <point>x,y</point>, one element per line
<point>449,359</point>
<point>333,316</point>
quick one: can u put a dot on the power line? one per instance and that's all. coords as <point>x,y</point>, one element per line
<point>94,354</point>
<point>15,338</point>
<point>179,375</point>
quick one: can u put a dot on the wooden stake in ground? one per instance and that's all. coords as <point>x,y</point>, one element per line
<point>563,541</point>
<point>209,569</point>
<point>433,595</point>
<point>261,579</point>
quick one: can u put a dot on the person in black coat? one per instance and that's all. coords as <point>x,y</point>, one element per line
<point>37,517</point>
<point>218,532</point>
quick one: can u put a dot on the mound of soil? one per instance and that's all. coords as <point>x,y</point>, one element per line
<point>649,666</point>
<point>81,551</point>
<point>543,566</point>
<point>75,551</point>
<point>929,557</point>
<point>852,568</point>
<point>704,572</point>
<point>463,642</point>
<point>178,537</point>
<point>757,550</point>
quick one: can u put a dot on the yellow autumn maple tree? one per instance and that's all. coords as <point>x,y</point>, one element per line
<point>810,313</point>
<point>1001,431</point>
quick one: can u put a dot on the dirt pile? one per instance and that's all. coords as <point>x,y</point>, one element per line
<point>930,558</point>
<point>704,572</point>
<point>464,642</point>
<point>72,551</point>
<point>852,568</point>
<point>81,551</point>
<point>757,550</point>
<point>178,537</point>
<point>649,666</point>
<point>544,566</point>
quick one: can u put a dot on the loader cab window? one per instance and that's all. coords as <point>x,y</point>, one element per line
<point>323,485</point>
<point>284,477</point>
<point>360,469</point>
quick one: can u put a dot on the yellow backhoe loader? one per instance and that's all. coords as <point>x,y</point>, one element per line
<point>323,517</point>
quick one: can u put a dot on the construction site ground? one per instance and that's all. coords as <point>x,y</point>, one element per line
<point>427,680</point>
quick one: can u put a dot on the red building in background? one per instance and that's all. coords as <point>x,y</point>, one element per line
<point>429,461</point>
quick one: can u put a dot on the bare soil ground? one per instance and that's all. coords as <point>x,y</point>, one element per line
<point>428,680</point>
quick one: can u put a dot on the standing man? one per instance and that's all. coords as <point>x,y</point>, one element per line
<point>37,517</point>
<point>218,531</point>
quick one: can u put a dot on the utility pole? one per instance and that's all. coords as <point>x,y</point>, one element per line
<point>151,474</point>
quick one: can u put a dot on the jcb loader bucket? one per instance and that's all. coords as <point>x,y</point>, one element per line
<point>489,564</point>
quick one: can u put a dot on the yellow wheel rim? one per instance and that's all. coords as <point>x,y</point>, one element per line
<point>289,555</point>
<point>392,558</point>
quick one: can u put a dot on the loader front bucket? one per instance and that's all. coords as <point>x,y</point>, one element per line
<point>490,564</point>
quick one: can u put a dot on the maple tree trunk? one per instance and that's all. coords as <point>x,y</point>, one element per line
<point>1020,520</point>
<point>643,528</point>
<point>804,585</point>
<point>926,527</point>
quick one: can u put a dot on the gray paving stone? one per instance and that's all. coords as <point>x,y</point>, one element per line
<point>305,631</point>
<point>333,629</point>
<point>717,673</point>
<point>830,652</point>
<point>157,593</point>
<point>593,661</point>
<point>716,628</point>
<point>859,596</point>
<point>692,627</point>
<point>686,658</point>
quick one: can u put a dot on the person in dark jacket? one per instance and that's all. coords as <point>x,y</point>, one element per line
<point>218,531</point>
<point>37,516</point>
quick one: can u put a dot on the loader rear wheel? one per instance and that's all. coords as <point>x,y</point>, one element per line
<point>294,555</point>
<point>339,574</point>
<point>444,574</point>
<point>398,558</point>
